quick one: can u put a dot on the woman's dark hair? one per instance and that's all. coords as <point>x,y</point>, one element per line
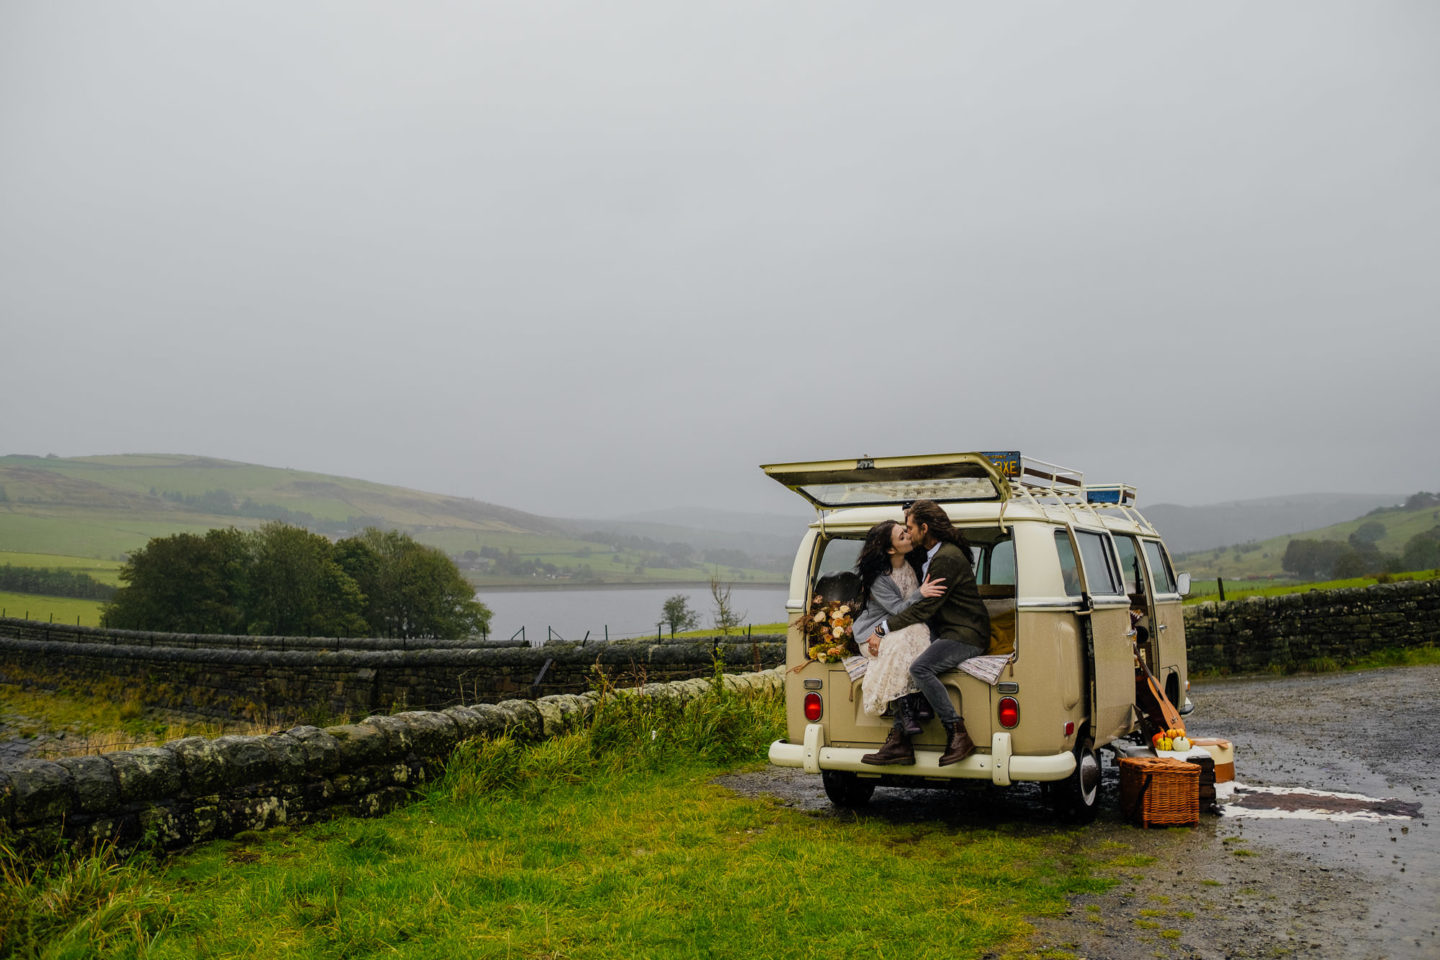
<point>874,557</point>
<point>929,513</point>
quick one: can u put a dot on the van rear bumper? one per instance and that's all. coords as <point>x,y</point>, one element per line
<point>998,764</point>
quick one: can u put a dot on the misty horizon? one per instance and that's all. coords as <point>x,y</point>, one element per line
<point>587,262</point>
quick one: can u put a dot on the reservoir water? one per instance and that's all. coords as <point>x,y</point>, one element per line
<point>627,612</point>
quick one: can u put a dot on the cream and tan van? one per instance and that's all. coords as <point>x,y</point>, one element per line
<point>1077,584</point>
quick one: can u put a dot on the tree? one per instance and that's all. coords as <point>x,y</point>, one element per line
<point>1312,558</point>
<point>726,619</point>
<point>183,584</point>
<point>1367,534</point>
<point>677,613</point>
<point>410,590</point>
<point>1422,551</point>
<point>284,580</point>
<point>297,588</point>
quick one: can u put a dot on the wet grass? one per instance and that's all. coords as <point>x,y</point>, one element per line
<point>610,841</point>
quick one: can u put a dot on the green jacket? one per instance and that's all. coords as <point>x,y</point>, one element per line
<point>959,613</point>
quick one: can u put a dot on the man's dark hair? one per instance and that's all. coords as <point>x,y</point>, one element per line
<point>937,523</point>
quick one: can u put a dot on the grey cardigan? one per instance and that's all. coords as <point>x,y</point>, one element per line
<point>885,601</point>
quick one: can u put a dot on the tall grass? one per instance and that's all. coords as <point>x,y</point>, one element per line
<point>77,904</point>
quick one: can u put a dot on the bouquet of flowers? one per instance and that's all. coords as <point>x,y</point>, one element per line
<point>827,628</point>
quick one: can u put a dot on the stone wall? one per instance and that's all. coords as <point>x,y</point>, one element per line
<point>193,790</point>
<point>1300,630</point>
<point>280,680</point>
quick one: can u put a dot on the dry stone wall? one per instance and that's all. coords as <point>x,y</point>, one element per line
<point>1300,630</point>
<point>193,790</point>
<point>278,680</point>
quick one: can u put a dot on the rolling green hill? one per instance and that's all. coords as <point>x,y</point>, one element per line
<point>1262,558</point>
<point>105,507</point>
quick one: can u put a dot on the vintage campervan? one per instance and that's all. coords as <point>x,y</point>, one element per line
<point>1082,600</point>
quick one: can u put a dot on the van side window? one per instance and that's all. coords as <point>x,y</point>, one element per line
<point>1159,567</point>
<point>1100,571</point>
<point>997,564</point>
<point>1129,565</point>
<point>1069,567</point>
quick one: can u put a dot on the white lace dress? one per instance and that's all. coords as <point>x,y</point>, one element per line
<point>887,675</point>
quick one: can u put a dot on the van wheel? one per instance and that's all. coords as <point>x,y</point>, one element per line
<point>846,789</point>
<point>1077,798</point>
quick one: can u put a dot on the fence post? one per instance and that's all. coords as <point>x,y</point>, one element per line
<point>1220,582</point>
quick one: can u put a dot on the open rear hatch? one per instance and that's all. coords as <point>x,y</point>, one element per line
<point>886,481</point>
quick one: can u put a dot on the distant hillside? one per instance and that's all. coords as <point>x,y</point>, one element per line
<point>1187,529</point>
<point>758,534</point>
<point>105,507</point>
<point>1261,558</point>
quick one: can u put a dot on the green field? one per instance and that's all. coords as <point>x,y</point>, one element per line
<point>1205,590</point>
<point>30,606</point>
<point>106,571</point>
<point>1260,559</point>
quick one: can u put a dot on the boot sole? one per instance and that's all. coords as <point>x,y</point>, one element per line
<point>907,761</point>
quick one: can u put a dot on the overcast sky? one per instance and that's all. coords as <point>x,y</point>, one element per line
<point>589,259</point>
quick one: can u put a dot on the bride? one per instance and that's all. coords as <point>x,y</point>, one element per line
<point>889,568</point>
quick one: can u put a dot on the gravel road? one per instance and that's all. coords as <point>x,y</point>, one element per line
<point>1359,882</point>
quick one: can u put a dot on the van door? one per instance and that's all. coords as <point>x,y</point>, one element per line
<point>1169,620</point>
<point>1114,662</point>
<point>1137,587</point>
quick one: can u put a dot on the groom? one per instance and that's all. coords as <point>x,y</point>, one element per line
<point>959,627</point>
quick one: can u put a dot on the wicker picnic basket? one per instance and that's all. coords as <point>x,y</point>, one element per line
<point>1159,792</point>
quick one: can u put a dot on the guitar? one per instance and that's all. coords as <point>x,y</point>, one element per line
<point>1164,709</point>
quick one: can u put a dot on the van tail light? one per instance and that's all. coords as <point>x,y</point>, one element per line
<point>1009,712</point>
<point>814,707</point>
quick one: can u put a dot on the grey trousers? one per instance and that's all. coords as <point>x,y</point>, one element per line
<point>942,655</point>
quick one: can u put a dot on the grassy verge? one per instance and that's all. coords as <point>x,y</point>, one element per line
<point>1206,590</point>
<point>32,606</point>
<point>1396,657</point>
<point>607,842</point>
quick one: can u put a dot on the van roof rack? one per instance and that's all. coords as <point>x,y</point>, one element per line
<point>1047,485</point>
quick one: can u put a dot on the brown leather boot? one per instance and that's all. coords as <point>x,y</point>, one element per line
<point>905,717</point>
<point>896,749</point>
<point>960,746</point>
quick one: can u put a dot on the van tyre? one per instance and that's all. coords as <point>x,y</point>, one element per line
<point>1077,798</point>
<point>846,789</point>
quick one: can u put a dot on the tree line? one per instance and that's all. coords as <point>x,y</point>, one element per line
<point>54,583</point>
<point>1359,556</point>
<point>282,580</point>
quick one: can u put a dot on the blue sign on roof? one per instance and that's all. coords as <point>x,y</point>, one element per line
<point>1007,462</point>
